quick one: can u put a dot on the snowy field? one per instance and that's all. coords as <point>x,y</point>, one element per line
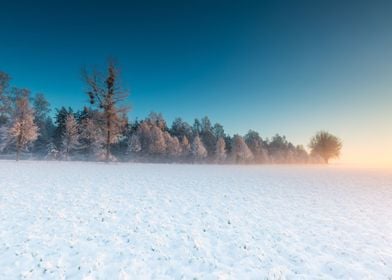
<point>145,221</point>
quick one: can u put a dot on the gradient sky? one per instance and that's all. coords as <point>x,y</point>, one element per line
<point>292,67</point>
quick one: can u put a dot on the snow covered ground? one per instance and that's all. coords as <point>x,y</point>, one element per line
<point>63,220</point>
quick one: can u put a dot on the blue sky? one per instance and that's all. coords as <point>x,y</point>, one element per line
<point>292,67</point>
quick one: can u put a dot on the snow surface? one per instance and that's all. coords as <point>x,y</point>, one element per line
<point>63,220</point>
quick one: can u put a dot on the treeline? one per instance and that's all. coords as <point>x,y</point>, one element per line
<point>102,131</point>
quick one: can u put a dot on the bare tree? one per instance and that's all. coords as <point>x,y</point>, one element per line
<point>107,95</point>
<point>325,145</point>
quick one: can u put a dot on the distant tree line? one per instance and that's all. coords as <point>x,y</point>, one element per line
<point>102,131</point>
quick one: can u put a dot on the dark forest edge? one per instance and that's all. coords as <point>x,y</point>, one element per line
<point>101,131</point>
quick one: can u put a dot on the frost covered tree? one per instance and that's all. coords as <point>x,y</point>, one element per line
<point>157,143</point>
<point>134,143</point>
<point>173,147</point>
<point>185,147</point>
<point>207,136</point>
<point>143,133</point>
<point>59,120</point>
<point>278,149</point>
<point>107,95</point>
<point>21,130</point>
<point>44,123</point>
<point>151,138</point>
<point>52,152</point>
<point>325,145</point>
<point>158,120</point>
<point>70,138</point>
<point>91,137</point>
<point>199,152</point>
<point>300,154</point>
<point>255,144</point>
<point>240,151</point>
<point>220,152</point>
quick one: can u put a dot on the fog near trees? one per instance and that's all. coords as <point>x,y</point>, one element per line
<point>101,131</point>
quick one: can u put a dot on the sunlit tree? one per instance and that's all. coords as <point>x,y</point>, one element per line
<point>325,145</point>
<point>106,94</point>
<point>21,130</point>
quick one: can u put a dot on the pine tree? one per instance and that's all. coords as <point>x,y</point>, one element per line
<point>70,138</point>
<point>5,105</point>
<point>180,129</point>
<point>107,96</point>
<point>44,123</point>
<point>60,118</point>
<point>218,131</point>
<point>21,130</point>
<point>207,136</point>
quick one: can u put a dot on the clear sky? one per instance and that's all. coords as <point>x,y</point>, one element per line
<point>292,67</point>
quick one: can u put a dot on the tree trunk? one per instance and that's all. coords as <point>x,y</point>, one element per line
<point>107,142</point>
<point>18,148</point>
<point>17,153</point>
